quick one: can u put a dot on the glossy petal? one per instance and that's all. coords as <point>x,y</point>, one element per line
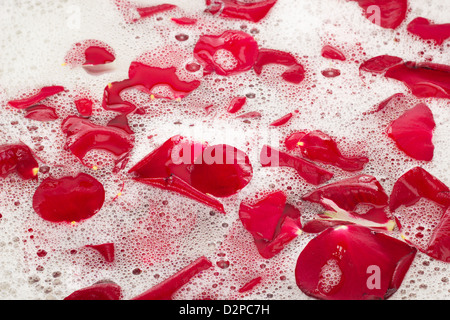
<point>166,289</point>
<point>380,64</point>
<point>318,146</point>
<point>98,291</point>
<point>242,47</point>
<point>41,113</point>
<point>107,250</point>
<point>352,263</point>
<point>42,94</point>
<point>69,198</point>
<point>295,72</point>
<point>237,9</point>
<point>270,157</point>
<point>385,13</point>
<point>427,30</point>
<point>18,158</point>
<point>413,132</point>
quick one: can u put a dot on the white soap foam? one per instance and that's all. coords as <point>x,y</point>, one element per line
<point>156,232</point>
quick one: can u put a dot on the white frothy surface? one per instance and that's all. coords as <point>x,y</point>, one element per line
<point>159,232</point>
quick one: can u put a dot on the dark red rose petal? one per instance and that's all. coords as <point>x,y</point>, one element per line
<point>330,52</point>
<point>106,250</point>
<point>413,132</point>
<point>318,146</point>
<point>352,263</point>
<point>240,45</point>
<point>391,12</point>
<point>295,72</point>
<point>270,157</point>
<point>98,291</point>
<point>84,136</point>
<point>350,192</point>
<point>425,80</point>
<point>427,30</point>
<point>225,170</point>
<point>236,9</point>
<point>69,198</point>
<point>43,93</point>
<point>18,158</point>
<point>146,77</point>
<point>41,113</point>
<point>166,289</point>
<point>380,64</point>
<point>415,184</point>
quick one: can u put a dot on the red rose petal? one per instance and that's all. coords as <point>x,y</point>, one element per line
<point>166,289</point>
<point>106,250</point>
<point>225,171</point>
<point>236,104</point>
<point>84,107</point>
<point>415,184</point>
<point>270,157</point>
<point>380,64</point>
<point>386,13</point>
<point>439,245</point>
<point>250,285</point>
<point>147,77</point>
<point>98,291</point>
<point>69,198</point>
<point>84,136</point>
<point>184,21</point>
<point>236,9</point>
<point>425,80</point>
<point>282,121</point>
<point>145,12</point>
<point>413,132</point>
<point>95,55</point>
<point>41,113</point>
<point>240,45</point>
<point>43,93</point>
<point>350,192</point>
<point>18,158</point>
<point>427,30</point>
<point>295,72</point>
<point>318,146</point>
<point>352,263</point>
<point>330,52</point>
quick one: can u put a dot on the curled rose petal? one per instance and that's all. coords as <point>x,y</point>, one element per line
<point>84,136</point>
<point>227,54</point>
<point>100,291</point>
<point>425,80</point>
<point>415,184</point>
<point>224,171</point>
<point>272,222</point>
<point>105,249</point>
<point>146,78</point>
<point>330,52</point>
<point>439,245</point>
<point>250,285</point>
<point>348,193</point>
<point>18,158</point>
<point>385,13</point>
<point>41,113</point>
<point>166,289</point>
<point>84,107</point>
<point>413,132</point>
<point>380,64</point>
<point>237,9</point>
<point>295,72</point>
<point>236,104</point>
<point>282,121</point>
<point>68,199</point>
<point>270,157</point>
<point>318,146</point>
<point>353,263</point>
<point>426,30</point>
<point>42,94</point>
